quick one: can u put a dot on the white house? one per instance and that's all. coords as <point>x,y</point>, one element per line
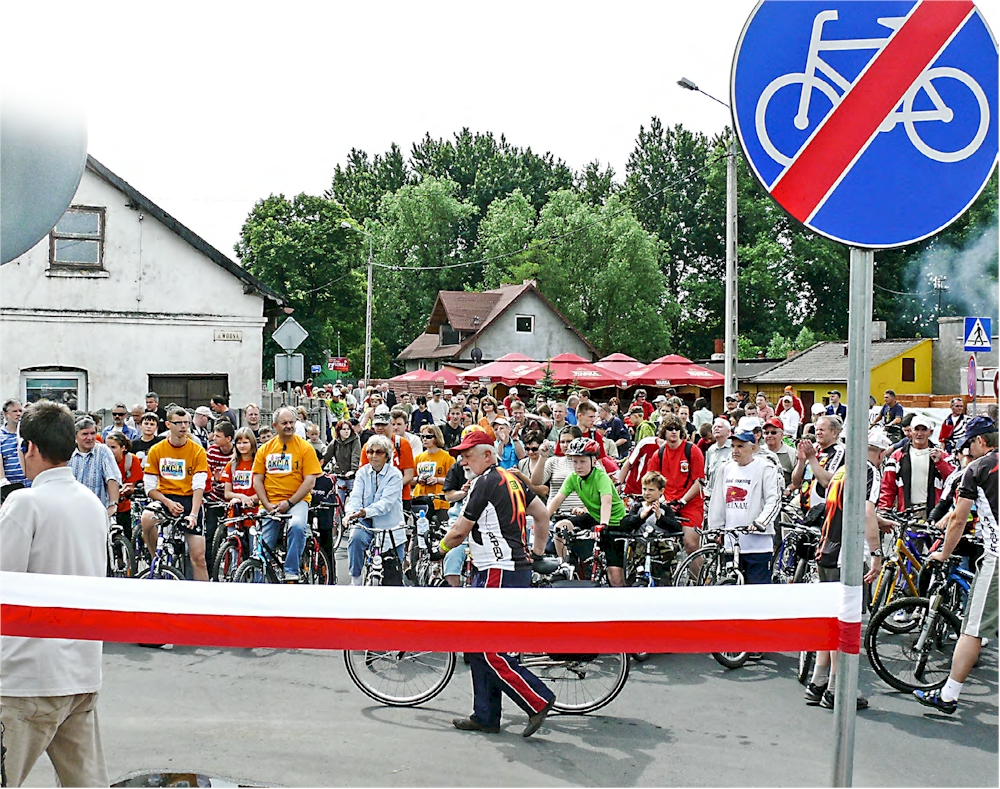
<point>122,298</point>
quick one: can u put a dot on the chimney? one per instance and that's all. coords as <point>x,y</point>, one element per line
<point>878,330</point>
<point>720,346</point>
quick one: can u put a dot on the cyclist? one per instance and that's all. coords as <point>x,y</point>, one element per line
<point>342,457</point>
<point>653,508</point>
<point>237,476</point>
<point>602,506</point>
<point>683,466</point>
<point>433,465</point>
<point>915,474</point>
<point>94,465</point>
<point>823,458</point>
<point>979,487</point>
<point>376,502</point>
<point>495,514</point>
<point>747,493</point>
<point>284,473</point>
<point>820,690</point>
<point>175,477</point>
<point>402,452</point>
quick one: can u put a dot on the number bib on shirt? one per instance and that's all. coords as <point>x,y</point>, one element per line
<point>242,480</point>
<point>173,468</point>
<point>279,464</point>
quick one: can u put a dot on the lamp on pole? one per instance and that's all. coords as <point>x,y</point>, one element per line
<point>732,297</point>
<point>368,303</point>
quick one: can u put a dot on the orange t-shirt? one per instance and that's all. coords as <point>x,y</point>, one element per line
<point>402,458</point>
<point>285,463</point>
<point>240,477</point>
<point>176,466</point>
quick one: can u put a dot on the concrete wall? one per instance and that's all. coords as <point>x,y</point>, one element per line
<point>951,360</point>
<point>550,337</point>
<point>155,309</point>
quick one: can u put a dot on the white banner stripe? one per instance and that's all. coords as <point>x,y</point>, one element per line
<point>665,604</point>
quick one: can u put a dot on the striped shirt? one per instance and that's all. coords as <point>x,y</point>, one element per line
<point>93,469</point>
<point>11,465</point>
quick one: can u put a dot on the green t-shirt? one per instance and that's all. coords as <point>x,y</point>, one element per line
<point>590,490</point>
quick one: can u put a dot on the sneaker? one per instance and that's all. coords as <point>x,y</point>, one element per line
<point>471,724</point>
<point>933,699</point>
<point>827,701</point>
<point>814,694</point>
<point>535,721</point>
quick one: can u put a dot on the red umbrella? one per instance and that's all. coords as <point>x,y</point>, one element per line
<point>619,365</point>
<point>498,370</point>
<point>567,368</point>
<point>444,375</point>
<point>674,370</point>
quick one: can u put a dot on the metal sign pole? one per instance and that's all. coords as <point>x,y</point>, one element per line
<point>858,383</point>
<point>732,283</point>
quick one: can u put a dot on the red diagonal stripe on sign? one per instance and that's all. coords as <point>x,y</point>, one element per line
<point>847,130</point>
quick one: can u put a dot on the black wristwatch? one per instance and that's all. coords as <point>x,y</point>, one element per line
<point>878,553</point>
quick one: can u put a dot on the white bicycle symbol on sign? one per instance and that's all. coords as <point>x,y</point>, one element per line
<point>904,114</point>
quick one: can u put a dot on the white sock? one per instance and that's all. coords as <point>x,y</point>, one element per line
<point>820,675</point>
<point>951,690</point>
<point>355,580</point>
<point>832,684</point>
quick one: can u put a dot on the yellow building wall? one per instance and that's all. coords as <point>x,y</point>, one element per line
<point>889,375</point>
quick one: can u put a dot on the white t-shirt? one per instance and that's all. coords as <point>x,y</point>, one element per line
<point>738,481</point>
<point>557,468</point>
<point>439,410</point>
<point>920,469</point>
<point>57,527</point>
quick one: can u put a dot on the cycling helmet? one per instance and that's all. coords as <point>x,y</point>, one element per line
<point>582,447</point>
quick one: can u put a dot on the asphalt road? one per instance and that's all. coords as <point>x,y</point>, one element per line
<point>294,718</point>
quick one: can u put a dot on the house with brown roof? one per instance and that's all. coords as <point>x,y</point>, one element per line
<point>509,319</point>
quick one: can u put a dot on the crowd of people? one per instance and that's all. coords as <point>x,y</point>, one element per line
<point>574,463</point>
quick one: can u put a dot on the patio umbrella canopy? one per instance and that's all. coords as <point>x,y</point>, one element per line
<point>619,365</point>
<point>674,370</point>
<point>567,369</point>
<point>445,376</point>
<point>500,370</point>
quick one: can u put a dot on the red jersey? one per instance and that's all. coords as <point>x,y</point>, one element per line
<point>647,408</point>
<point>639,464</point>
<point>681,473</point>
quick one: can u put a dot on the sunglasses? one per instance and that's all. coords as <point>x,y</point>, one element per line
<point>427,435</point>
<point>377,452</point>
<point>772,432</point>
<point>531,449</point>
<point>671,430</point>
<point>119,413</point>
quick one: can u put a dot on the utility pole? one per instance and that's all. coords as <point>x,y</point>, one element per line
<point>937,281</point>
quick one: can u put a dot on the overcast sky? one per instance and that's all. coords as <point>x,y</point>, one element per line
<point>206,107</point>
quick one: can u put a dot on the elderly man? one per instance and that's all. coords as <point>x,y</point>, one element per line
<point>200,429</point>
<point>376,502</point>
<point>94,465</point>
<point>773,440</point>
<point>494,513</point>
<point>119,417</point>
<point>822,458</point>
<point>914,475</point>
<point>953,427</point>
<point>719,452</point>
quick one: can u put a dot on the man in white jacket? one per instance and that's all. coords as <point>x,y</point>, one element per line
<point>747,492</point>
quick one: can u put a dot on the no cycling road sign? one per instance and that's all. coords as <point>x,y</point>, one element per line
<point>872,123</point>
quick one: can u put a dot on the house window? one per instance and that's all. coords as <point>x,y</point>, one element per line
<point>77,241</point>
<point>909,369</point>
<point>524,324</point>
<point>68,387</point>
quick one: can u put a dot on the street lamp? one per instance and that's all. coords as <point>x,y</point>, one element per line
<point>732,298</point>
<point>368,304</point>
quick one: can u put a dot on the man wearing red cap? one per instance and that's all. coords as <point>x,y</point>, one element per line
<point>495,513</point>
<point>796,404</point>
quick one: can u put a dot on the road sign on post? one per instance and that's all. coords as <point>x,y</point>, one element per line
<point>874,124</point>
<point>977,335</point>
<point>289,335</point>
<point>289,367</point>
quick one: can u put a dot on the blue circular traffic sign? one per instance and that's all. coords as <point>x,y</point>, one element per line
<point>875,123</point>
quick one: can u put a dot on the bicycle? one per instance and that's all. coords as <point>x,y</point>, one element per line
<point>420,568</point>
<point>328,504</point>
<point>910,641</point>
<point>902,566</point>
<point>235,546</point>
<point>121,557</point>
<point>140,553</point>
<point>904,114</point>
<point>267,565</point>
<point>168,561</point>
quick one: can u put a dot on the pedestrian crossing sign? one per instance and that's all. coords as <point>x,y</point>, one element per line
<point>977,335</point>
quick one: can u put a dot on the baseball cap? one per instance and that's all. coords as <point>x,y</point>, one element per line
<point>472,439</point>
<point>203,410</point>
<point>731,398</point>
<point>836,392</point>
<point>877,438</point>
<point>787,399</point>
<point>747,424</point>
<point>336,391</point>
<point>435,390</point>
<point>381,416</point>
<point>977,426</point>
<point>919,420</point>
<point>660,399</point>
<point>501,420</point>
<point>774,422</point>
<point>745,435</point>
<point>513,390</point>
<point>789,389</point>
<point>818,408</point>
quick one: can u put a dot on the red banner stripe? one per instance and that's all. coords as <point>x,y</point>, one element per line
<point>765,635</point>
<point>850,637</point>
<point>803,187</point>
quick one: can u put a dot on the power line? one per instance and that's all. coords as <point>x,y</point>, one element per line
<point>901,292</point>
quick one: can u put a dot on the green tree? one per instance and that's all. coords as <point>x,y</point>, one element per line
<point>547,385</point>
<point>299,248</point>
<point>360,184</point>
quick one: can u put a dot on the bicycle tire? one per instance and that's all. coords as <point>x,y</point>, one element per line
<point>397,678</point>
<point>581,683</point>
<point>804,573</point>
<point>337,536</point>
<point>228,559</point>
<point>682,576</point>
<point>120,557</point>
<point>806,662</point>
<point>254,571</point>
<point>165,573</point>
<point>894,656</point>
<point>316,568</point>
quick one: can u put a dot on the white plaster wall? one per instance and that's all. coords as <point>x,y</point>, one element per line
<point>550,338</point>
<point>154,312</point>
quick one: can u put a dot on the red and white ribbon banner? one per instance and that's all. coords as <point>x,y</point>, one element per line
<point>713,619</point>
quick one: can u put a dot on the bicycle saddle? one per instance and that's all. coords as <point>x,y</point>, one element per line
<point>546,566</point>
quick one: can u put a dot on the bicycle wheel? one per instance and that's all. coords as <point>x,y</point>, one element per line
<point>400,679</point>
<point>120,557</point>
<point>218,539</point>
<point>337,535</point>
<point>316,567</point>
<point>582,683</point>
<point>806,661</point>
<point>683,575</point>
<point>805,572</point>
<point>254,571</point>
<point>164,573</point>
<point>919,659</point>
<point>931,91</point>
<point>730,660</point>
<point>227,560</point>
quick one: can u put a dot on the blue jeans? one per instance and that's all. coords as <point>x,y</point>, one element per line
<point>296,537</point>
<point>358,543</point>
<point>756,567</point>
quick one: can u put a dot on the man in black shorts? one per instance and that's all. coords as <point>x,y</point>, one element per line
<point>495,513</point>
